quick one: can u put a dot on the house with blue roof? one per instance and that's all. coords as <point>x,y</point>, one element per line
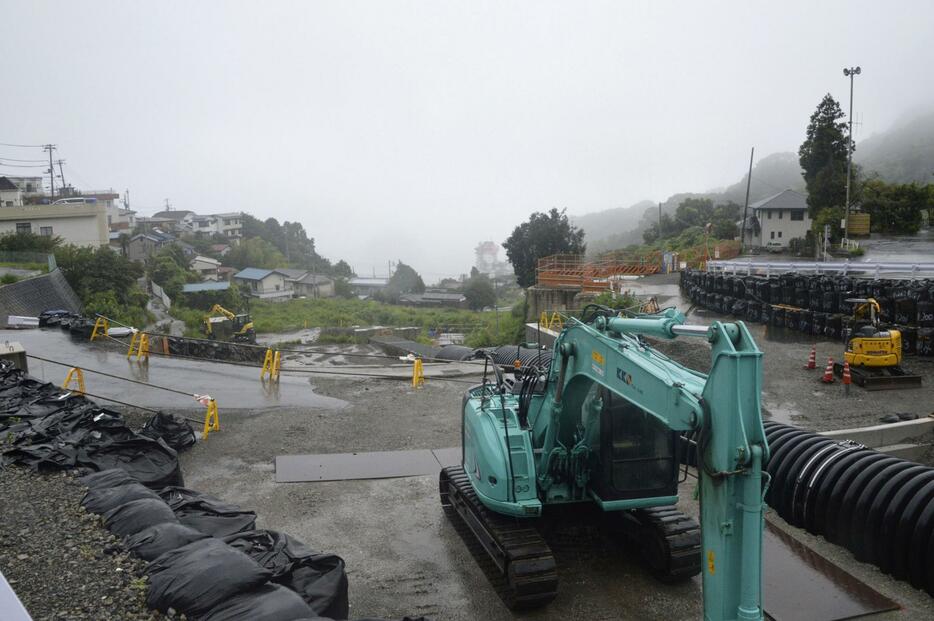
<point>263,283</point>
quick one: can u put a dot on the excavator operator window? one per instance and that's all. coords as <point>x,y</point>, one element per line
<point>637,452</point>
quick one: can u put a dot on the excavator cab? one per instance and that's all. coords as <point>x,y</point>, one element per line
<point>636,458</point>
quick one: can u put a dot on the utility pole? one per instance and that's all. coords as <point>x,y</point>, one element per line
<point>126,200</point>
<point>168,205</point>
<point>61,173</point>
<point>851,73</point>
<point>742,230</point>
<point>50,148</point>
<point>659,220</point>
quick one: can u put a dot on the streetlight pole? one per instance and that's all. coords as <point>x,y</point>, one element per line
<point>851,73</point>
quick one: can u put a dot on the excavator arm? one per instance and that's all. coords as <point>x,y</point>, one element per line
<point>217,308</point>
<point>723,408</point>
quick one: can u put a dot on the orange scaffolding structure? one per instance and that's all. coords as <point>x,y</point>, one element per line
<point>573,270</point>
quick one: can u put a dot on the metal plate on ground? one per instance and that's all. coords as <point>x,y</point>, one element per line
<point>375,465</point>
<point>801,585</point>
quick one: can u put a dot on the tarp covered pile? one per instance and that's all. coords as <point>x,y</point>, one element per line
<point>206,557</point>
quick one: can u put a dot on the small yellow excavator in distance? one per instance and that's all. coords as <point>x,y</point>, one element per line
<point>869,346</point>
<point>874,353</point>
<point>229,326</point>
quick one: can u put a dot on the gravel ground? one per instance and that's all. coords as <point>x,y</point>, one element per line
<point>59,559</point>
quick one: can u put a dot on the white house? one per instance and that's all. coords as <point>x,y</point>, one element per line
<point>264,283</point>
<point>81,224</point>
<point>205,266</point>
<point>776,220</point>
<point>10,194</point>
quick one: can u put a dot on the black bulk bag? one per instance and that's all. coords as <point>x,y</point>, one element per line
<point>151,543</point>
<point>198,577</point>
<point>318,577</point>
<point>134,516</point>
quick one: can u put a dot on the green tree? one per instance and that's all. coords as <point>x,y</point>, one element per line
<point>255,252</point>
<point>693,212</point>
<point>543,235</point>
<point>894,208</point>
<point>823,156</point>
<point>29,242</point>
<point>479,291</point>
<point>342,269</point>
<point>104,279</point>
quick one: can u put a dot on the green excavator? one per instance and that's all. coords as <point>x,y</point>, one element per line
<point>596,435</point>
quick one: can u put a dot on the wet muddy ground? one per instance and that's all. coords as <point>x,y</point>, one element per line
<point>403,557</point>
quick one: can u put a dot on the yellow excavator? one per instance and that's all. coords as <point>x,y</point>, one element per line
<point>870,346</point>
<point>873,352</point>
<point>229,326</point>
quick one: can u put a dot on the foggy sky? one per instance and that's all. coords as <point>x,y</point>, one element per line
<point>414,130</point>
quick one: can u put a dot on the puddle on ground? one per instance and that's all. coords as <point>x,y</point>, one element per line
<point>233,386</point>
<point>783,412</point>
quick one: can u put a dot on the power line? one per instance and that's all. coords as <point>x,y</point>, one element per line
<point>24,146</point>
<point>24,165</point>
<point>13,159</point>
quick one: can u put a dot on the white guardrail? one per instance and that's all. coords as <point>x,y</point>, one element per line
<point>767,268</point>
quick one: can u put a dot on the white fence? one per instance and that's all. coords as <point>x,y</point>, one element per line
<point>159,293</point>
<point>873,268</point>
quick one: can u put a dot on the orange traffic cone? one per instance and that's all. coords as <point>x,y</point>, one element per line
<point>846,378</point>
<point>812,358</point>
<point>828,372</point>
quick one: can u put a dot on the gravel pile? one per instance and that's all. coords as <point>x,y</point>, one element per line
<point>59,559</point>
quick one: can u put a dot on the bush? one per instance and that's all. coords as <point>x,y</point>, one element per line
<point>8,279</point>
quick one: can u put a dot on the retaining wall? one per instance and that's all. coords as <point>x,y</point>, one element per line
<point>32,296</point>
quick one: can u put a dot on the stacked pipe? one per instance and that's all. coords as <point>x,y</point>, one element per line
<point>820,302</point>
<point>881,508</point>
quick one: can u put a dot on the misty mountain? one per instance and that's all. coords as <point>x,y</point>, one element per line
<point>616,228</point>
<point>611,222</point>
<point>903,154</point>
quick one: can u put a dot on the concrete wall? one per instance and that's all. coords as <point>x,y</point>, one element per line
<point>780,223</point>
<point>32,296</point>
<point>82,224</point>
<point>548,299</point>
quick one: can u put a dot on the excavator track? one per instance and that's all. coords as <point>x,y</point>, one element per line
<point>668,540</point>
<point>521,567</point>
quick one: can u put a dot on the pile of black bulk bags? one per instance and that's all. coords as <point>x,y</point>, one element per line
<point>820,303</point>
<point>206,558</point>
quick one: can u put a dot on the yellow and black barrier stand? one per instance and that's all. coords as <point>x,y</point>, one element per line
<point>212,421</point>
<point>74,375</point>
<point>101,326</point>
<point>272,362</point>
<point>418,374</point>
<point>140,343</point>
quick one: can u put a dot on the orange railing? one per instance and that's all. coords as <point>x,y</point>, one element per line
<point>563,270</point>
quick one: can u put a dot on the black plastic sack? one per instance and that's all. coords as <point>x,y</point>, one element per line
<point>134,516</point>
<point>152,462</point>
<point>151,543</point>
<point>42,457</point>
<point>318,578</point>
<point>175,431</point>
<point>269,602</point>
<point>196,578</point>
<point>107,478</point>
<point>104,499</point>
<point>207,514</point>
